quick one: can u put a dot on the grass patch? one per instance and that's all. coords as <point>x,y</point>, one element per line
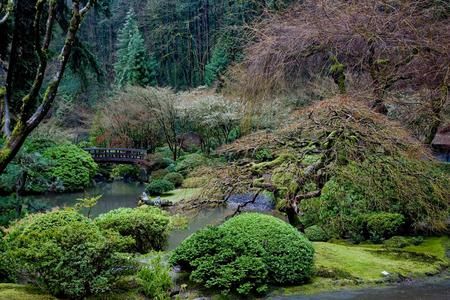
<point>181,194</point>
<point>10,291</point>
<point>345,266</point>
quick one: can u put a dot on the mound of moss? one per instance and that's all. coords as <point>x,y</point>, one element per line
<point>245,254</point>
<point>337,163</point>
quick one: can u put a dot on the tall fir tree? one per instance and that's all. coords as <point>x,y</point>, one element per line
<point>133,66</point>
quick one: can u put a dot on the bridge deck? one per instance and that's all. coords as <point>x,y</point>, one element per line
<point>116,155</point>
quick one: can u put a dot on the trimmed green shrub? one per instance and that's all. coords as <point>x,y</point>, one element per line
<point>315,233</point>
<point>159,187</point>
<point>38,145</point>
<point>155,280</point>
<point>72,165</point>
<point>245,254</point>
<point>67,254</point>
<point>383,225</point>
<point>175,178</point>
<point>148,226</point>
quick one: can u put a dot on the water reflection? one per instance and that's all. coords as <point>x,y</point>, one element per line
<point>115,195</point>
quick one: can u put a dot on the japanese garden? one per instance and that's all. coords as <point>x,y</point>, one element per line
<point>224,149</point>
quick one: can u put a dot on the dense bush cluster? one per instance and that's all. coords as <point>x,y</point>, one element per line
<point>315,233</point>
<point>66,253</point>
<point>159,187</point>
<point>148,226</point>
<point>175,178</point>
<point>72,165</point>
<point>245,254</point>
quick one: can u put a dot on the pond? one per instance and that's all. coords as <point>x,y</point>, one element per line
<point>115,195</point>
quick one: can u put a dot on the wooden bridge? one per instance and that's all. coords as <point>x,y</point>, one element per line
<point>117,155</point>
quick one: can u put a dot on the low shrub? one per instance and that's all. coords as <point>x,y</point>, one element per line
<point>67,254</point>
<point>154,280</point>
<point>159,187</point>
<point>72,165</point>
<point>245,254</point>
<point>315,233</point>
<point>383,225</point>
<point>175,178</point>
<point>148,226</point>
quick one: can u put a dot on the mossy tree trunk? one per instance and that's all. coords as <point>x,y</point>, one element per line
<point>32,110</point>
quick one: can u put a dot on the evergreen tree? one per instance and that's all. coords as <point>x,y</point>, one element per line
<point>133,64</point>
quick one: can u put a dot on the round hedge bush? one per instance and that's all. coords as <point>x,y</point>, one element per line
<point>66,254</point>
<point>175,178</point>
<point>148,226</point>
<point>72,165</point>
<point>159,187</point>
<point>315,233</point>
<point>245,254</point>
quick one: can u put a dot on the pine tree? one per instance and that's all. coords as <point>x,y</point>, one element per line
<point>133,66</point>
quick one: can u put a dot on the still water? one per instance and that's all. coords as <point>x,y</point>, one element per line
<point>114,195</point>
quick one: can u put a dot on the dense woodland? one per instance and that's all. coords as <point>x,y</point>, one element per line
<point>318,131</point>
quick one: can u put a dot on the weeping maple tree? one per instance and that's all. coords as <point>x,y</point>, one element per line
<point>33,72</point>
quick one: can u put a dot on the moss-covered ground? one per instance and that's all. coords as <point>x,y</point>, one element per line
<point>9,291</point>
<point>181,194</point>
<point>341,265</point>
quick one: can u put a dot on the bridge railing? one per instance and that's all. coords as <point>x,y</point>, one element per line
<point>116,154</point>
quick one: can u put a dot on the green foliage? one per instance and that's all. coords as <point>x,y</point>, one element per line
<point>175,178</point>
<point>72,165</point>
<point>87,203</point>
<point>159,187</point>
<point>383,225</point>
<point>148,226</point>
<point>38,144</point>
<point>132,66</point>
<point>125,171</point>
<point>263,154</point>
<point>155,280</point>
<point>66,253</point>
<point>189,162</point>
<point>245,254</point>
<point>315,233</point>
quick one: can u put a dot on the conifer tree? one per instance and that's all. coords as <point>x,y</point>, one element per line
<point>133,64</point>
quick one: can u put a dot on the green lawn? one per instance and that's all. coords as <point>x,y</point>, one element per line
<point>341,265</point>
<point>181,194</point>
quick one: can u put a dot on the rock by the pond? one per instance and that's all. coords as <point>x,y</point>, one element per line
<point>385,273</point>
<point>144,199</point>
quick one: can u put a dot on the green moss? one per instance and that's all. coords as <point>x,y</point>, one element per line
<point>311,158</point>
<point>181,194</point>
<point>432,246</point>
<point>10,291</point>
<point>341,265</point>
<point>283,157</point>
